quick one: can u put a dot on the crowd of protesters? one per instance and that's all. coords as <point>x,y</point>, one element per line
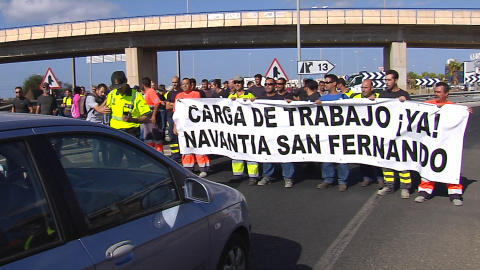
<point>146,112</point>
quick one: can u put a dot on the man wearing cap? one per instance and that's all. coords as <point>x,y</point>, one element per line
<point>46,103</point>
<point>225,86</point>
<point>127,106</point>
<point>238,165</point>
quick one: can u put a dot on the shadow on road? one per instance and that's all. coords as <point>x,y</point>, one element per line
<point>271,252</point>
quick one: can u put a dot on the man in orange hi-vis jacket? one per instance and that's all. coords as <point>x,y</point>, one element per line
<point>188,160</point>
<point>425,189</point>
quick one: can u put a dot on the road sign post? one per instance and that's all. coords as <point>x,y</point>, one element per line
<point>314,67</point>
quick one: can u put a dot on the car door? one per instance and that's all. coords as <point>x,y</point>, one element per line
<point>135,216</point>
<point>31,226</point>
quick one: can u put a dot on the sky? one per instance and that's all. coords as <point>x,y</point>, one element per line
<point>212,63</point>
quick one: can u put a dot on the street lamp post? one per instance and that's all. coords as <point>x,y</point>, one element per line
<point>299,40</point>
<point>291,68</point>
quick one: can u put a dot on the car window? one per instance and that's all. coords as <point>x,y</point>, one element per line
<point>113,180</point>
<point>26,221</point>
<point>358,80</point>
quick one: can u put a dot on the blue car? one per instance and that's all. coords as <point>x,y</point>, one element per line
<point>78,195</point>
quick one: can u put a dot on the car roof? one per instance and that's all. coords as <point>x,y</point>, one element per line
<point>13,121</point>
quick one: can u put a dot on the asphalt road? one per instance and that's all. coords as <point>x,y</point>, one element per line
<point>307,228</point>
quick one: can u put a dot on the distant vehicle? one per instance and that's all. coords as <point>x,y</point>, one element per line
<point>79,195</point>
<point>354,81</point>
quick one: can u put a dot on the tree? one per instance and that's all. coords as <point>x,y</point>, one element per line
<point>412,80</point>
<point>32,85</point>
<point>453,67</point>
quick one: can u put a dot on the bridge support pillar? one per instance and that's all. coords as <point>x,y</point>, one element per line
<point>395,57</point>
<point>139,64</point>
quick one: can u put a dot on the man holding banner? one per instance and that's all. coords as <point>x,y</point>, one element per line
<point>425,189</point>
<point>386,133</point>
<point>269,168</point>
<point>370,173</point>
<point>328,168</point>
<point>393,91</point>
<point>188,160</point>
<point>238,165</point>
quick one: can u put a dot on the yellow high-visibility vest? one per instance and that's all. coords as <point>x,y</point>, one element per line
<point>120,104</point>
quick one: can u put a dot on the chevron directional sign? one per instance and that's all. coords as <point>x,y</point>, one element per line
<point>473,79</point>
<point>379,84</point>
<point>373,75</point>
<point>378,78</point>
<point>429,82</point>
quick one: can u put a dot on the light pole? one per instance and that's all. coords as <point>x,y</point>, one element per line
<point>299,40</point>
<point>249,64</point>
<point>291,69</point>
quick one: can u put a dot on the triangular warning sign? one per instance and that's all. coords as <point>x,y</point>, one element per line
<point>276,71</point>
<point>51,80</point>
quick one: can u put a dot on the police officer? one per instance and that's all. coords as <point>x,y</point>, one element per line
<point>128,110</point>
<point>127,106</point>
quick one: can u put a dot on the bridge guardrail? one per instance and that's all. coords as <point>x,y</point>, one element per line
<point>467,17</point>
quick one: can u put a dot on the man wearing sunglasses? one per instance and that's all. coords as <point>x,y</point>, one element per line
<point>21,104</point>
<point>310,89</point>
<point>328,168</point>
<point>238,165</point>
<point>281,87</point>
<point>46,103</point>
<point>269,168</point>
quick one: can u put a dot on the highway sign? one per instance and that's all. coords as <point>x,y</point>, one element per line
<point>379,84</point>
<point>51,80</point>
<point>314,67</point>
<point>276,71</point>
<point>429,82</point>
<point>373,75</point>
<point>473,79</point>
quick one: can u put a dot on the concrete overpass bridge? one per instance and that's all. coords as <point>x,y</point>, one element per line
<point>140,38</point>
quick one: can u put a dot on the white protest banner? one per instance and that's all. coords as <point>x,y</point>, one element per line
<point>385,133</point>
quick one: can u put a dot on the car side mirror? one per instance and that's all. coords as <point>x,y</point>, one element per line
<point>196,191</point>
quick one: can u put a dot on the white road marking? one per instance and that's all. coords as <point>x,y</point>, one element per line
<point>333,252</point>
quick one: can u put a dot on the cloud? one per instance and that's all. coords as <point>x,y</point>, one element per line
<point>55,11</point>
<point>342,4</point>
